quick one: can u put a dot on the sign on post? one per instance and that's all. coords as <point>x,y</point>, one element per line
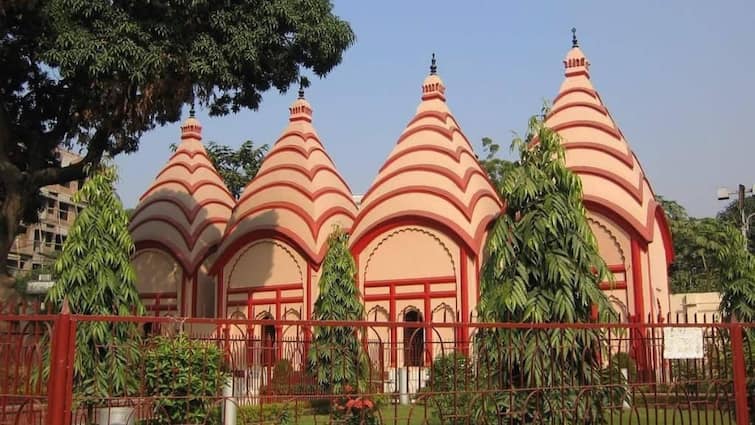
<point>683,343</point>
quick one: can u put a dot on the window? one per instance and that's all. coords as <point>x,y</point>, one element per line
<point>414,339</point>
<point>50,206</point>
<point>268,346</point>
<point>36,266</point>
<point>63,212</point>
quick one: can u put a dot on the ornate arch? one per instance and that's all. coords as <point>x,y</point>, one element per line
<point>273,242</point>
<point>610,234</point>
<point>408,229</point>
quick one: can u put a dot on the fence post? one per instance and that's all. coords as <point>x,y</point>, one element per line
<point>57,393</point>
<point>740,375</point>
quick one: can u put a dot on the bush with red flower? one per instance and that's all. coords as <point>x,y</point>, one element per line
<point>351,408</point>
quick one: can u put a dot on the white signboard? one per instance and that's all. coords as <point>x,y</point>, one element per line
<point>38,287</point>
<point>683,343</point>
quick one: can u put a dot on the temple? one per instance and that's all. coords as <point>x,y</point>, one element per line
<point>417,235</point>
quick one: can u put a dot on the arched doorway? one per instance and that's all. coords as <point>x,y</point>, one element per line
<point>268,346</point>
<point>414,339</point>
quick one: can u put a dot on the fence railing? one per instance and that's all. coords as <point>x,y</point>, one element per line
<point>210,371</point>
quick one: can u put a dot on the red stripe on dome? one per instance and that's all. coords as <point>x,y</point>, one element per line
<point>190,214</point>
<point>637,193</point>
<point>466,210</point>
<point>190,239</point>
<point>314,225</point>
<point>586,123</point>
<point>312,196</point>
<point>453,154</point>
<point>191,168</point>
<point>622,217</point>
<point>624,157</point>
<point>309,173</point>
<point>189,267</point>
<point>599,108</point>
<point>190,154</point>
<point>590,92</point>
<point>461,182</point>
<point>190,188</point>
<point>304,135</point>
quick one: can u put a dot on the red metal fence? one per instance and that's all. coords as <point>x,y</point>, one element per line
<point>207,371</point>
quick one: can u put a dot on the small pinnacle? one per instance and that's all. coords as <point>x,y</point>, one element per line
<point>574,42</point>
<point>191,110</point>
<point>433,66</point>
<point>301,89</point>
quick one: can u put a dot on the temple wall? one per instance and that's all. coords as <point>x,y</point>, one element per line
<point>158,273</point>
<point>658,271</point>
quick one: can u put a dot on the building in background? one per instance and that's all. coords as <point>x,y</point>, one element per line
<point>38,244</point>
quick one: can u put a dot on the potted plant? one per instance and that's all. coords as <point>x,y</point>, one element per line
<point>95,277</point>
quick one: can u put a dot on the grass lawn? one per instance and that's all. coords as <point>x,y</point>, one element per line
<point>422,415</point>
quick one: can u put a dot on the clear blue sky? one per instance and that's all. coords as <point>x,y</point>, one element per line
<point>678,76</point>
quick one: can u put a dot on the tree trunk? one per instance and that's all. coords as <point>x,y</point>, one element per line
<point>11,210</point>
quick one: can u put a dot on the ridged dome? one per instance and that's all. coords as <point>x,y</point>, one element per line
<point>187,207</point>
<point>297,193</point>
<point>432,173</point>
<point>597,151</point>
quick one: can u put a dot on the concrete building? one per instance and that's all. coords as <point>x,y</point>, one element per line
<point>39,243</point>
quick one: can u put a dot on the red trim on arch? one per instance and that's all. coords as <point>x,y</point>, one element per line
<point>668,243</point>
<point>622,217</point>
<point>466,210</point>
<point>592,124</point>
<point>175,253</point>
<point>279,234</point>
<point>637,279</point>
<point>425,219</point>
<point>637,192</point>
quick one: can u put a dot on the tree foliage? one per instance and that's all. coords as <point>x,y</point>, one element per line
<point>730,214</point>
<point>236,168</point>
<point>336,357</point>
<point>98,74</point>
<point>95,277</point>
<point>496,167</point>
<point>542,266</point>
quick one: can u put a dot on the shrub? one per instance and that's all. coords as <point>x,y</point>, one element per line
<point>276,413</point>
<point>451,387</point>
<point>185,378</point>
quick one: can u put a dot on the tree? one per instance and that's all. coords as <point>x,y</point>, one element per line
<point>731,215</point>
<point>100,73</point>
<point>236,168</point>
<point>699,246</point>
<point>542,266</point>
<point>336,357</point>
<point>496,167</point>
<point>95,277</point>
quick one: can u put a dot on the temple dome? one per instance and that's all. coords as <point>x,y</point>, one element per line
<point>186,208</point>
<point>432,174</point>
<point>596,150</point>
<point>297,194</point>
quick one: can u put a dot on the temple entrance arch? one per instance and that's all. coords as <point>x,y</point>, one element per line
<point>414,339</point>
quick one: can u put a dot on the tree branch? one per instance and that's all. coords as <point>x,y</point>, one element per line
<point>77,170</point>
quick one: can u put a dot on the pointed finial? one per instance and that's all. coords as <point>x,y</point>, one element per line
<point>301,88</point>
<point>433,66</point>
<point>574,42</point>
<point>191,110</point>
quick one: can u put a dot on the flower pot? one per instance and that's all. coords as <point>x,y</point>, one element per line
<point>115,416</point>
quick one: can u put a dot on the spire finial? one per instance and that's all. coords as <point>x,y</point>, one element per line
<point>574,42</point>
<point>433,66</point>
<point>191,110</point>
<point>301,88</point>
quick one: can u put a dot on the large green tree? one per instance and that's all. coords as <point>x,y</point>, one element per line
<point>542,266</point>
<point>95,277</point>
<point>336,356</point>
<point>236,167</point>
<point>97,74</point>
<point>733,216</point>
<point>701,248</point>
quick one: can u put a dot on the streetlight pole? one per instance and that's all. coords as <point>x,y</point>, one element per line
<point>723,193</point>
